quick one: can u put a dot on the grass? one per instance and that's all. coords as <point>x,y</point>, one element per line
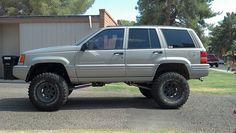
<point>117,87</point>
<point>215,82</point>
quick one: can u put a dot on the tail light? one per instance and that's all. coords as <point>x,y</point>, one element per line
<point>22,59</point>
<point>203,57</point>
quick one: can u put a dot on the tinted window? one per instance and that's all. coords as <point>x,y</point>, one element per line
<point>107,40</point>
<point>178,38</point>
<point>143,39</point>
<point>155,43</point>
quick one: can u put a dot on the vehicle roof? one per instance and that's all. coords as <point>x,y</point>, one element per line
<point>149,26</point>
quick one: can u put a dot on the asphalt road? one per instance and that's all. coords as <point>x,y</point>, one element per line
<point>88,109</point>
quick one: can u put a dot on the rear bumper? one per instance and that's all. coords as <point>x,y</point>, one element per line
<point>213,62</point>
<point>20,71</point>
<point>198,71</point>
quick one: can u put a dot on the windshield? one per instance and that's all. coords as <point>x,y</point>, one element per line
<point>85,38</point>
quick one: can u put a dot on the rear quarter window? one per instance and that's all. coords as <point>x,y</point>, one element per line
<point>177,38</point>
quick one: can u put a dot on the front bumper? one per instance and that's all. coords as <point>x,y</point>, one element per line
<point>20,71</point>
<point>198,71</point>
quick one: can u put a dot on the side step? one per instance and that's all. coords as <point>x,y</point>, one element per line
<point>82,86</point>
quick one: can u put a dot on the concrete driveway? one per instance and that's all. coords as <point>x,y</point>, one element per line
<point>88,109</point>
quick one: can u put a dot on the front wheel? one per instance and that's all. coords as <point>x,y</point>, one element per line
<point>170,90</point>
<point>48,91</point>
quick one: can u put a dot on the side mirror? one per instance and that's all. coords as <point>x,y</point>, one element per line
<point>84,47</point>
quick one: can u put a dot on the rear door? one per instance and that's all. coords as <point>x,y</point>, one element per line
<point>143,53</point>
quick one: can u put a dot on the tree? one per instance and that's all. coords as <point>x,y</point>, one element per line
<point>43,7</point>
<point>126,22</point>
<point>187,13</point>
<point>223,36</point>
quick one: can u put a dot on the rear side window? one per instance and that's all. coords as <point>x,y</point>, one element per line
<point>143,39</point>
<point>178,38</point>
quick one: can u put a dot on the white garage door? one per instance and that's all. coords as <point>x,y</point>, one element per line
<point>39,35</point>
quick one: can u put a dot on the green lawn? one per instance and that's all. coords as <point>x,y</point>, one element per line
<point>216,82</point>
<point>117,87</point>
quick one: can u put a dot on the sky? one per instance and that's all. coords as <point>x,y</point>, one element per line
<point>118,9</point>
<point>125,9</point>
<point>221,6</point>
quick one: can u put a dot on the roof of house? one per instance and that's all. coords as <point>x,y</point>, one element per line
<point>60,19</point>
<point>49,19</point>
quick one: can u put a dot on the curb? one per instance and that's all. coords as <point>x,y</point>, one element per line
<point>224,71</point>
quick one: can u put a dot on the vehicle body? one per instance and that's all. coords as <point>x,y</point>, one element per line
<point>213,60</point>
<point>142,56</point>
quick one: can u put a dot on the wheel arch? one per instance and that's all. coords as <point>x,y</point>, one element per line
<point>179,68</point>
<point>57,68</point>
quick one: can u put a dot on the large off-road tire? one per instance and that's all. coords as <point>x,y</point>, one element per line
<point>147,93</point>
<point>170,90</point>
<point>48,91</point>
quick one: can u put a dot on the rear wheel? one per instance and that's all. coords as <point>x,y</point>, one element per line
<point>147,93</point>
<point>217,65</point>
<point>170,90</point>
<point>48,91</point>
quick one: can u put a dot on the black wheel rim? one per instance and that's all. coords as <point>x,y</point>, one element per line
<point>47,92</point>
<point>172,90</point>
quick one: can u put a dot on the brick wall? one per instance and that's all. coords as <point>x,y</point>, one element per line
<point>106,19</point>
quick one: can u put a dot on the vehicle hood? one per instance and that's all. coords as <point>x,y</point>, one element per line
<point>54,49</point>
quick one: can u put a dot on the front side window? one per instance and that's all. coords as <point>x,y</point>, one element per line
<point>107,40</point>
<point>176,38</point>
<point>143,39</point>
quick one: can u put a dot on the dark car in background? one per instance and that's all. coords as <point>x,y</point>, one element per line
<point>213,60</point>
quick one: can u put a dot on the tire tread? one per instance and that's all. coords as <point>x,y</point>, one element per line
<point>63,96</point>
<point>156,88</point>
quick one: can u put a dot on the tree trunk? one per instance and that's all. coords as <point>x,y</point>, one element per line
<point>233,56</point>
<point>167,12</point>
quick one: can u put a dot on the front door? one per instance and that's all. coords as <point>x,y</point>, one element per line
<point>103,57</point>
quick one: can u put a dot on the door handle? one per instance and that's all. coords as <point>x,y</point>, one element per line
<point>118,53</point>
<point>157,52</point>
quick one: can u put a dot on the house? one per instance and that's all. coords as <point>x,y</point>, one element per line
<point>19,34</point>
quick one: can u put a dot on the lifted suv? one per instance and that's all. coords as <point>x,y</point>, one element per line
<point>158,60</point>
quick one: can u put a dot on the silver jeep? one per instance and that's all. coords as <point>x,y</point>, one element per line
<point>158,60</point>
